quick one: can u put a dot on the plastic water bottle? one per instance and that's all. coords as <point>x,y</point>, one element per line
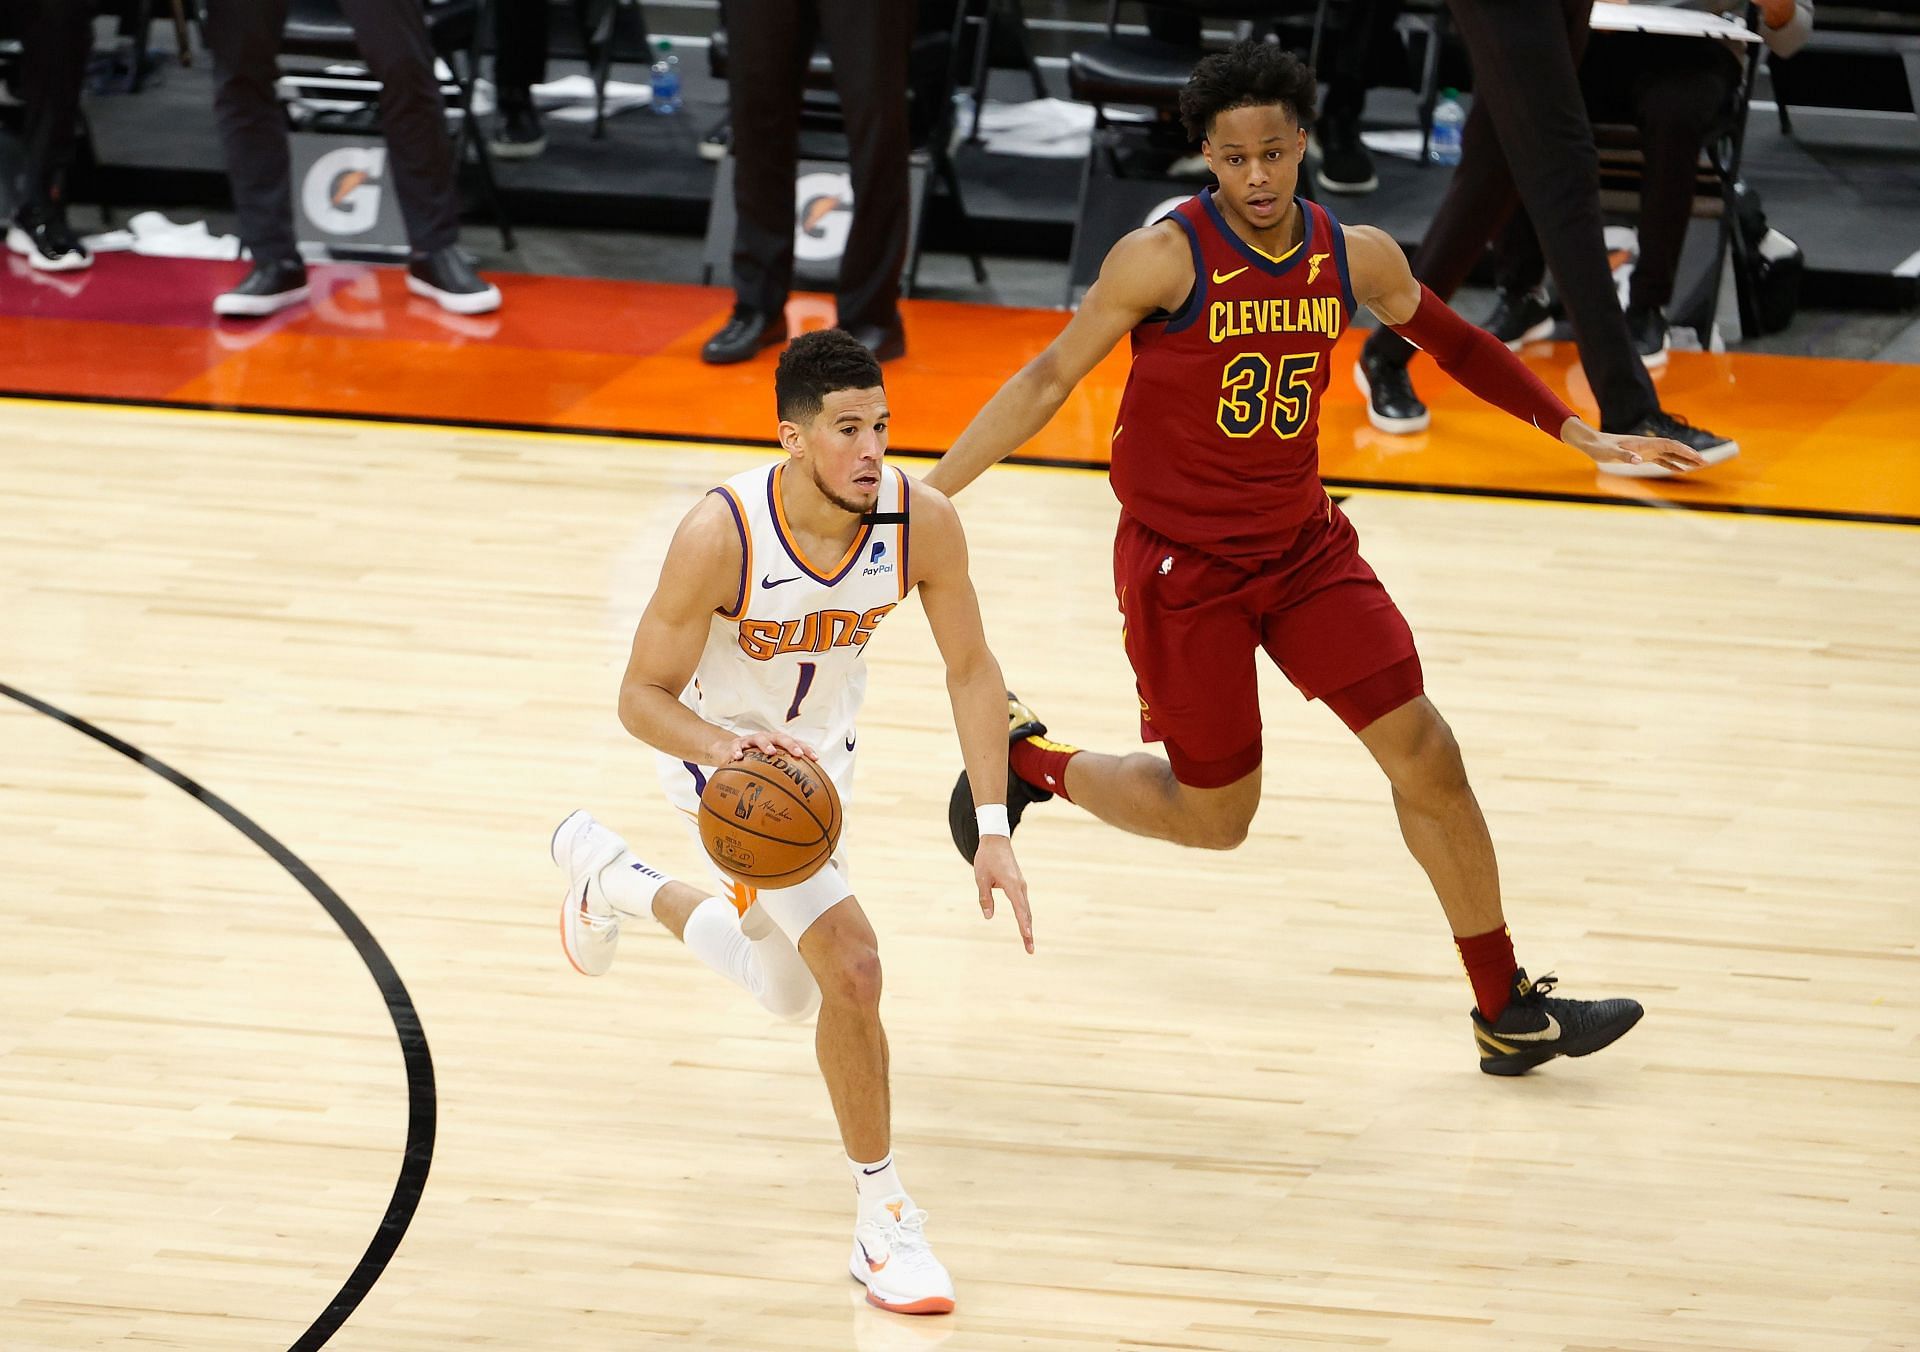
<point>665,79</point>
<point>1443,147</point>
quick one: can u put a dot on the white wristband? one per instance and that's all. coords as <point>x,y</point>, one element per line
<point>992,819</point>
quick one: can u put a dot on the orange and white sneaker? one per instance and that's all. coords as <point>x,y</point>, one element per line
<point>589,926</point>
<point>892,1260</point>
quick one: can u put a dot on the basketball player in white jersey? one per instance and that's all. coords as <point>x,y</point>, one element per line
<point>755,640</point>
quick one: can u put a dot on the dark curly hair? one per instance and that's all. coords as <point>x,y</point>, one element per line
<point>1246,75</point>
<point>816,364</point>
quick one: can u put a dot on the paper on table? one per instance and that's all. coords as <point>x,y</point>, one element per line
<point>1615,18</point>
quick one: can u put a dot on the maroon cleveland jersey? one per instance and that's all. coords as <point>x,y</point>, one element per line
<point>1217,442</point>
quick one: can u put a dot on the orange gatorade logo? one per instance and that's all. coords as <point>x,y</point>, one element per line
<point>764,640</point>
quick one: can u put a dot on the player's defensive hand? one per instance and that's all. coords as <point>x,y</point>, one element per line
<point>994,868</point>
<point>1619,446</point>
<point>767,744</point>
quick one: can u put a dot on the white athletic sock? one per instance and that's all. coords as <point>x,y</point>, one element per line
<point>875,1183</point>
<point>630,884</point>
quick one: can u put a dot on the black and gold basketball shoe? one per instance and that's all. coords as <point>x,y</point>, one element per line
<point>1534,1028</point>
<point>1021,724</point>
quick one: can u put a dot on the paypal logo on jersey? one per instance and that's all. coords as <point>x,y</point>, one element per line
<point>874,566</point>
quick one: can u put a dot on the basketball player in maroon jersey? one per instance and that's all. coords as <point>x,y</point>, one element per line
<point>1229,544</point>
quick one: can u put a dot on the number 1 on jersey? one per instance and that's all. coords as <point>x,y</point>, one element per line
<point>800,690</point>
<point>1246,399</point>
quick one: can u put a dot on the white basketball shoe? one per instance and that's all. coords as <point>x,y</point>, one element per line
<point>589,926</point>
<point>892,1260</point>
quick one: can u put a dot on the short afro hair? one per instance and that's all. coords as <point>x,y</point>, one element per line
<point>1247,75</point>
<point>816,364</point>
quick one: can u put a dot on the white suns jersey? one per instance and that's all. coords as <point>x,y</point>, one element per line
<point>790,655</point>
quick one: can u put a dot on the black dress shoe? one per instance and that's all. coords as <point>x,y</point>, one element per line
<point>273,285</point>
<point>1392,406</point>
<point>743,335</point>
<point>885,341</point>
<point>446,278</point>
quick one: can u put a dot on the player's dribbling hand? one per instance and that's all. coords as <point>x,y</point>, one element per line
<point>767,744</point>
<point>994,868</point>
<point>1619,446</point>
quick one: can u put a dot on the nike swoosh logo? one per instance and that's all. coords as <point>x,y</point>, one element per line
<point>871,1265</point>
<point>770,581</point>
<point>1221,279</point>
<point>1547,1034</point>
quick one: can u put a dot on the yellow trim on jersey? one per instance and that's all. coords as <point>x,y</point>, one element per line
<point>1282,258</point>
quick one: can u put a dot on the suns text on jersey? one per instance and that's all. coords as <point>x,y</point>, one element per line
<point>764,640</point>
<point>1228,319</point>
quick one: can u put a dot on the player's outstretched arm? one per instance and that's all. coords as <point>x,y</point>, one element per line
<point>1149,269</point>
<point>702,574</point>
<point>977,689</point>
<point>1384,283</point>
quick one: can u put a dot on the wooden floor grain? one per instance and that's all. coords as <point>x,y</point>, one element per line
<point>1229,1104</point>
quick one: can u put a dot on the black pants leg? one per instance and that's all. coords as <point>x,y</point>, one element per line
<point>869,42</point>
<point>244,36</point>
<point>519,48</point>
<point>1684,88</point>
<point>55,39</point>
<point>1527,94</point>
<point>1346,57</point>
<point>770,43</point>
<point>1518,264</point>
<point>392,37</point>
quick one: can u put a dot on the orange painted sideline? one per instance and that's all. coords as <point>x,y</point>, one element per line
<point>572,353</point>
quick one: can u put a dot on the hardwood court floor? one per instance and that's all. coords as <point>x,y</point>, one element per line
<point>1230,1103</point>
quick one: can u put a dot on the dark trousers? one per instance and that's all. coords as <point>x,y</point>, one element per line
<point>1347,54</point>
<point>1528,142</point>
<point>519,48</point>
<point>55,38</point>
<point>1677,91</point>
<point>392,36</point>
<point>771,42</point>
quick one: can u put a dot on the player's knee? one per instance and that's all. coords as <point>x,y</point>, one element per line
<point>853,978</point>
<point>1215,828</point>
<point>1432,769</point>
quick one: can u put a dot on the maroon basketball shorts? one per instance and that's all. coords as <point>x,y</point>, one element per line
<point>1195,620</point>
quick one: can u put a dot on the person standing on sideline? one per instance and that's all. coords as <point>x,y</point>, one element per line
<point>1229,545</point>
<point>1677,91</point>
<point>244,36</point>
<point>56,37</point>
<point>755,640</point>
<point>1527,142</point>
<point>769,44</point>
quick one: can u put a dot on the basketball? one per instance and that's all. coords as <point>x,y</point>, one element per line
<point>771,821</point>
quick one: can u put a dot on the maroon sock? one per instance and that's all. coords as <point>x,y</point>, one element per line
<point>1042,764</point>
<point>1490,964</point>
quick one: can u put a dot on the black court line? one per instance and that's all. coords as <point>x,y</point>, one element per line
<point>921,453</point>
<point>422,1105</point>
